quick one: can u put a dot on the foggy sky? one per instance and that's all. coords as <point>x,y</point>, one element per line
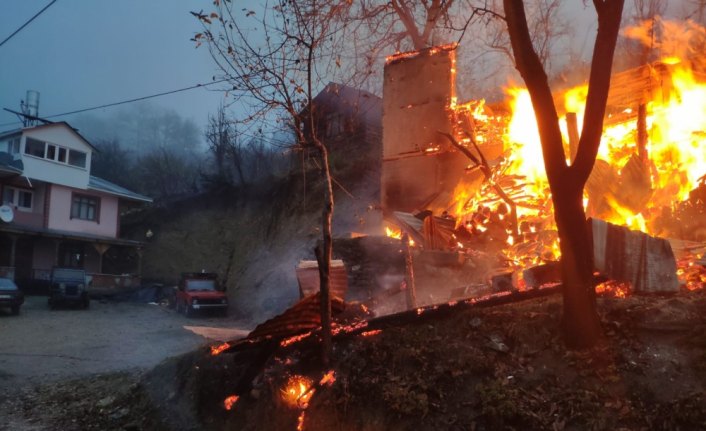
<point>83,53</point>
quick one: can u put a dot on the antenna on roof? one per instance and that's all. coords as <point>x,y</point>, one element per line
<point>30,107</point>
<point>30,110</point>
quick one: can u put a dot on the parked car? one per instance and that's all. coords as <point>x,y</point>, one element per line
<point>68,286</point>
<point>198,291</point>
<point>10,295</point>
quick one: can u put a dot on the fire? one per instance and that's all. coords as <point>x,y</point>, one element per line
<point>297,391</point>
<point>397,234</point>
<point>230,401</point>
<point>638,186</point>
<point>393,233</point>
<point>692,276</point>
<point>616,289</point>
<point>300,420</point>
<point>294,339</point>
<point>328,379</point>
<point>371,332</point>
<point>523,138</point>
<point>217,350</point>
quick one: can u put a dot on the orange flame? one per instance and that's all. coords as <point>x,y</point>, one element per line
<point>371,333</point>
<point>217,350</point>
<point>616,289</point>
<point>294,339</point>
<point>297,391</point>
<point>230,401</point>
<point>328,379</point>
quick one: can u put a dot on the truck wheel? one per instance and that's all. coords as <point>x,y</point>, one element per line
<point>15,309</point>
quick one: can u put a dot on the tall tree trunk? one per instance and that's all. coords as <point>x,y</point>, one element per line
<point>580,321</point>
<point>325,256</point>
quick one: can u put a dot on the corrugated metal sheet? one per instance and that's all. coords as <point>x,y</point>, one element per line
<point>309,282</point>
<point>303,316</point>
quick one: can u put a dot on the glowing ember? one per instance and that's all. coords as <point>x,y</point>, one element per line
<point>692,276</point>
<point>337,329</point>
<point>616,289</point>
<point>300,420</point>
<point>294,339</point>
<point>328,379</point>
<point>217,350</point>
<point>371,333</point>
<point>229,402</point>
<point>298,391</point>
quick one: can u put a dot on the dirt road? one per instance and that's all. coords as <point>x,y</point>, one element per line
<point>41,345</point>
<point>41,351</point>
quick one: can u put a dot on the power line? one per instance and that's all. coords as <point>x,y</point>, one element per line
<point>25,24</point>
<point>137,99</point>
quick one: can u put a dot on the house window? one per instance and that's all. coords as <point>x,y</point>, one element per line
<point>55,153</point>
<point>77,158</point>
<point>85,207</point>
<point>19,198</point>
<point>12,146</point>
<point>34,147</point>
<point>334,125</point>
<point>51,151</point>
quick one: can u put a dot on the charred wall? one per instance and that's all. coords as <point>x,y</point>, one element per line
<point>418,90</point>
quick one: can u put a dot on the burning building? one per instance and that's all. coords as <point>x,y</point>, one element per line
<point>469,179</point>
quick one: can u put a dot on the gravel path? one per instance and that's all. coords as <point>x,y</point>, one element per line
<point>40,344</point>
<point>43,346</point>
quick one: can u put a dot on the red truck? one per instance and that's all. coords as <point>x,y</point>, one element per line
<point>198,291</point>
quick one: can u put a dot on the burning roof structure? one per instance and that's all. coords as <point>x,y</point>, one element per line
<point>468,178</point>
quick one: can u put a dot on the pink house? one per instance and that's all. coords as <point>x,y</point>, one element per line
<point>55,213</point>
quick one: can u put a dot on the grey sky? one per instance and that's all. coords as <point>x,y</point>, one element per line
<point>84,53</point>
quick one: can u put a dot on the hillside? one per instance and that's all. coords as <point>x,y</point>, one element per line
<point>501,367</point>
<point>252,238</point>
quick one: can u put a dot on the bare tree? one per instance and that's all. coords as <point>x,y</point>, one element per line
<point>643,50</point>
<point>275,58</point>
<point>112,161</point>
<point>580,319</point>
<point>547,27</point>
<point>226,147</point>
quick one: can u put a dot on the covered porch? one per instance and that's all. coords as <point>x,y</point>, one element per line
<point>28,254</point>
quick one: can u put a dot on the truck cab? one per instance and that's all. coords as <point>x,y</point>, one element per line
<point>199,291</point>
<point>68,286</point>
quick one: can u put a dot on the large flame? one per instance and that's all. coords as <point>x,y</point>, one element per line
<point>638,186</point>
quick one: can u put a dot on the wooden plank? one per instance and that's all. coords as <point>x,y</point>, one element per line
<point>646,262</point>
<point>542,274</point>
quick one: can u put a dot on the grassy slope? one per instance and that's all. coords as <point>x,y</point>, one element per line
<point>252,239</point>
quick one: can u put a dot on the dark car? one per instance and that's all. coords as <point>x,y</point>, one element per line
<point>68,286</point>
<point>10,295</point>
<point>200,291</point>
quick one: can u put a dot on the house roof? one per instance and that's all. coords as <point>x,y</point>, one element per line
<point>105,186</point>
<point>9,166</point>
<point>62,234</point>
<point>42,126</point>
<point>351,100</point>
